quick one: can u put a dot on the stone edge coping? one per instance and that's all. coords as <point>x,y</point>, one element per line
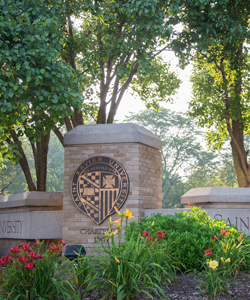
<point>164,211</point>
<point>217,194</point>
<point>32,199</point>
<point>171,211</point>
<point>111,133</point>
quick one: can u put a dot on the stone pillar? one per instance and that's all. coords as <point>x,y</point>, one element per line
<point>128,148</point>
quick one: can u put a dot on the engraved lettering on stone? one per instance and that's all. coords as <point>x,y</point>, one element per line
<point>242,222</point>
<point>11,226</point>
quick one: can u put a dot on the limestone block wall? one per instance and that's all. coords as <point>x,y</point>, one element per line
<point>27,216</point>
<point>142,163</point>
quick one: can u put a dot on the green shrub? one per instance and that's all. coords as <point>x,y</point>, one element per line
<point>127,268</point>
<point>225,261</point>
<point>190,232</point>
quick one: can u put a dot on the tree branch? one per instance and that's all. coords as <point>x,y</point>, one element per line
<point>58,134</point>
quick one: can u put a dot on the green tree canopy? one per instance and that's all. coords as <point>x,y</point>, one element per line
<point>117,45</point>
<point>216,36</point>
<point>49,62</point>
<point>38,89</point>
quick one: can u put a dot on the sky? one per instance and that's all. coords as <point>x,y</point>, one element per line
<point>181,99</point>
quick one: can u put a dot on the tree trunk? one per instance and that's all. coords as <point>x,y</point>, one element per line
<point>22,160</point>
<point>240,163</point>
<point>42,158</point>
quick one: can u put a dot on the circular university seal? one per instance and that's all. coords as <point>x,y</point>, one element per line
<point>98,185</point>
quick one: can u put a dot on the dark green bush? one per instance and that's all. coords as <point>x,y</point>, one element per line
<point>190,233</point>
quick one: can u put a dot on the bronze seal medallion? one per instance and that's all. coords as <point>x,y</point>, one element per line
<point>98,185</point>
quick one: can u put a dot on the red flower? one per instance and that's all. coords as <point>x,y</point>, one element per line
<point>149,239</point>
<point>29,265</point>
<point>208,252</point>
<point>240,237</point>
<point>223,231</point>
<point>15,249</point>
<point>62,243</point>
<point>2,261</point>
<point>214,237</point>
<point>160,234</point>
<point>145,233</point>
<point>33,255</point>
<point>24,246</point>
<point>9,258</point>
<point>22,259</point>
<point>40,257</point>
<point>54,248</point>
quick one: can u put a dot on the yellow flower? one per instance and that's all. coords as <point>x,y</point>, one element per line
<point>128,214</point>
<point>118,226</point>
<point>213,264</point>
<point>110,221</point>
<point>107,233</point>
<point>228,260</point>
<point>117,259</point>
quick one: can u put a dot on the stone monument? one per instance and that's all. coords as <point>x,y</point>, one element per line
<point>108,166</point>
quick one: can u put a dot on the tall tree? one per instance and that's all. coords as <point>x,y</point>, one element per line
<point>46,59</point>
<point>116,44</point>
<point>216,35</point>
<point>37,88</point>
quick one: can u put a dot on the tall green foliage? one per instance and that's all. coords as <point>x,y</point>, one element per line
<point>49,62</point>
<point>37,88</point>
<point>118,43</point>
<point>216,35</point>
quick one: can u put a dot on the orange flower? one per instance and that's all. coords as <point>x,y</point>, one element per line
<point>122,215</point>
<point>117,221</point>
<point>116,259</point>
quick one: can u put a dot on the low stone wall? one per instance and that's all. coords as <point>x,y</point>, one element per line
<point>230,204</point>
<point>27,216</point>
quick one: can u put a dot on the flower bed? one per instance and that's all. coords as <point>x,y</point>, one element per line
<point>138,258</point>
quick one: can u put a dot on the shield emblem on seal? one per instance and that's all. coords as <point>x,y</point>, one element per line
<point>98,185</point>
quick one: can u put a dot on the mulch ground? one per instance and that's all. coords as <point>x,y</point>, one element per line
<point>188,287</point>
